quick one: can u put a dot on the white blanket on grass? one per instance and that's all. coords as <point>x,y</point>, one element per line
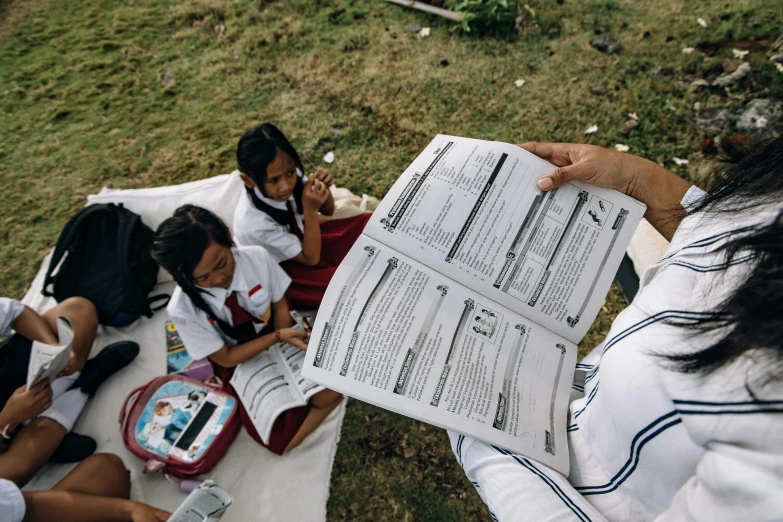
<point>265,487</point>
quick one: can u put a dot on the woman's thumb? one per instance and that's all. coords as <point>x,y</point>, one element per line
<point>556,178</point>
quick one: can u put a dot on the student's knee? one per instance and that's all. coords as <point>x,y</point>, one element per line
<point>326,399</point>
<point>79,309</point>
<point>110,470</point>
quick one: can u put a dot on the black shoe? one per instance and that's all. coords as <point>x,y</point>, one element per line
<point>113,358</point>
<point>73,448</point>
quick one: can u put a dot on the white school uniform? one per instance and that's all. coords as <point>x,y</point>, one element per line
<point>10,309</point>
<point>255,227</point>
<point>647,442</point>
<point>12,506</point>
<point>258,280</point>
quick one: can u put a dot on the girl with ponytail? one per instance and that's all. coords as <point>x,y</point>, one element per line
<point>229,306</point>
<point>281,211</point>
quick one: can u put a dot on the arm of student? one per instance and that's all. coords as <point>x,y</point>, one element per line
<point>516,488</point>
<point>325,177</point>
<point>731,483</point>
<point>34,327</point>
<point>231,357</point>
<point>66,506</point>
<point>314,196</point>
<point>643,180</point>
<point>281,315</point>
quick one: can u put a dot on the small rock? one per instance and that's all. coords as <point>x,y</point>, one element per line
<point>697,107</point>
<point>220,29</point>
<point>727,79</point>
<point>621,147</point>
<point>662,71</point>
<point>714,121</point>
<point>554,32</point>
<point>739,53</point>
<point>592,129</point>
<point>698,85</point>
<point>628,126</point>
<point>679,162</point>
<point>329,157</point>
<point>444,63</point>
<point>598,90</point>
<point>607,44</point>
<point>412,28</point>
<point>759,113</point>
<point>165,77</point>
<point>600,28</point>
<point>729,65</point>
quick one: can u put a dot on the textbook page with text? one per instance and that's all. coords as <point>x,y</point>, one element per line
<point>461,303</point>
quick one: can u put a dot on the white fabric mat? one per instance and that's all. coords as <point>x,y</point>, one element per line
<point>265,487</point>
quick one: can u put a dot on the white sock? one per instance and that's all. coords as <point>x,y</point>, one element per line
<point>67,405</point>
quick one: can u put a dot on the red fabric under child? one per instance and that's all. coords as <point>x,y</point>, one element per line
<point>308,283</point>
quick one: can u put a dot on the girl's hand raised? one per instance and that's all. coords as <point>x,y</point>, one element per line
<point>294,337</point>
<point>314,195</point>
<point>324,176</point>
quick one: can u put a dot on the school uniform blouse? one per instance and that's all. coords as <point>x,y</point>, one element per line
<point>258,280</point>
<point>12,506</point>
<point>647,442</point>
<point>10,309</point>
<point>255,227</point>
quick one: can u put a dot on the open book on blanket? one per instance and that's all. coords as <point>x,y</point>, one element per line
<point>271,383</point>
<point>461,303</point>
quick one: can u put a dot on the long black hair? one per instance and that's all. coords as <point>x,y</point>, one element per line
<point>753,314</point>
<point>179,245</point>
<point>256,150</point>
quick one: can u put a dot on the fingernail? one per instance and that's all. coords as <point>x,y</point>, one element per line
<point>545,183</point>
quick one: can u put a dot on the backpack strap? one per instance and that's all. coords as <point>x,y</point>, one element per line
<point>159,297</point>
<point>73,229</point>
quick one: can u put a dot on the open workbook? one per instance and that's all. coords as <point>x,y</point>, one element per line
<point>461,303</point>
<point>271,383</point>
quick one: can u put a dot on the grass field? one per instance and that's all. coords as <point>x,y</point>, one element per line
<point>138,93</point>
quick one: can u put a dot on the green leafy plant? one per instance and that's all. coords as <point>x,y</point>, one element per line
<point>486,17</point>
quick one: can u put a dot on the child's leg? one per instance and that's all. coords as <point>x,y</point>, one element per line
<point>84,319</point>
<point>321,405</point>
<point>102,474</point>
<point>30,450</point>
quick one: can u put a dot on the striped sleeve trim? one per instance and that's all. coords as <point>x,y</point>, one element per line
<point>568,501</point>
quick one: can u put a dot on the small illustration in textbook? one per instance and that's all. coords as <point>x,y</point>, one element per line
<point>181,420</point>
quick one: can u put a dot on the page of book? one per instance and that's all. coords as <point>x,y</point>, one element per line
<point>207,503</point>
<point>470,209</point>
<point>271,383</point>
<point>47,361</point>
<point>396,333</point>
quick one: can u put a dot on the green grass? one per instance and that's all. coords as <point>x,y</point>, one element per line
<point>134,93</point>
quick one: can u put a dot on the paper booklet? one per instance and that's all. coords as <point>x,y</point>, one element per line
<point>207,503</point>
<point>461,303</point>
<point>271,383</point>
<point>46,361</point>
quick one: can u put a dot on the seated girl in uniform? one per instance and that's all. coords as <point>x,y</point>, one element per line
<point>281,213</point>
<point>229,306</point>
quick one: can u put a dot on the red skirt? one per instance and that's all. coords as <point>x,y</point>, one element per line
<point>283,430</point>
<point>308,283</point>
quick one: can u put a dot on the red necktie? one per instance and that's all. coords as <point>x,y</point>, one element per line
<point>243,321</point>
<point>292,223</point>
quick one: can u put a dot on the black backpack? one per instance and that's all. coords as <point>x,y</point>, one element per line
<point>103,254</point>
